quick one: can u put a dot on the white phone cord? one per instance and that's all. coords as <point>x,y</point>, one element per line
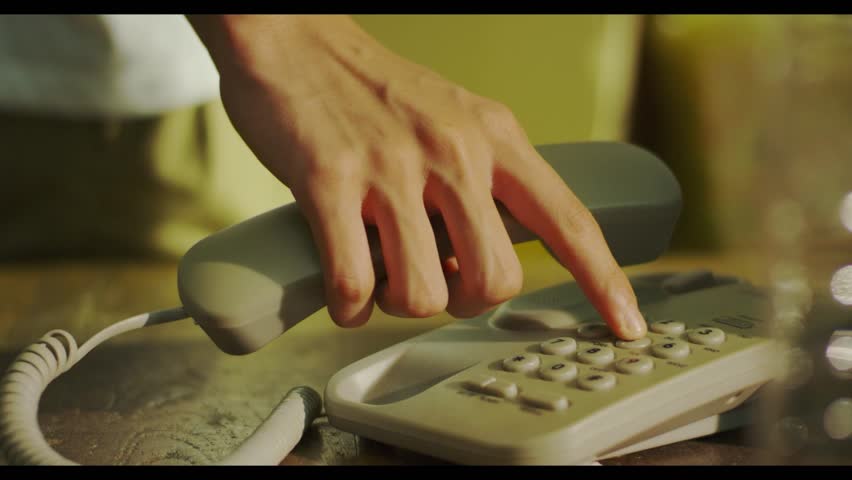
<point>21,439</point>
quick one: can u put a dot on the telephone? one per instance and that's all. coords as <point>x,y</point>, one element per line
<point>542,381</point>
<point>538,380</point>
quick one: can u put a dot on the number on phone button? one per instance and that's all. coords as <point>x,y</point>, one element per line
<point>597,381</point>
<point>706,336</point>
<point>671,350</point>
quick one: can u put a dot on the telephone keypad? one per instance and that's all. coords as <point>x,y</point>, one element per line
<point>591,360</point>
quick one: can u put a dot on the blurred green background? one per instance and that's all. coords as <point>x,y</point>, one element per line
<point>566,77</point>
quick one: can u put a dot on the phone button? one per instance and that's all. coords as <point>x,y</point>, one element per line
<point>559,346</point>
<point>597,381</point>
<point>545,400</point>
<point>667,327</point>
<point>501,388</point>
<point>478,382</point>
<point>522,363</point>
<point>635,365</point>
<point>598,356</point>
<point>706,336</point>
<point>638,344</point>
<point>671,350</point>
<point>558,372</point>
<point>492,386</point>
<point>593,331</point>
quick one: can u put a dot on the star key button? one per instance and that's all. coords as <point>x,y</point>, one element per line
<point>522,363</point>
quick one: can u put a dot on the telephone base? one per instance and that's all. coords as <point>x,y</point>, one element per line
<point>541,380</point>
<point>737,418</point>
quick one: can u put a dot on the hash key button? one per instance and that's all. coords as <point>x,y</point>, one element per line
<point>597,381</point>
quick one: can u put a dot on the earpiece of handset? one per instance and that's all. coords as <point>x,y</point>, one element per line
<point>249,283</point>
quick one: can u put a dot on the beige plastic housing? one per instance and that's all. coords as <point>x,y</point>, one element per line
<point>249,283</point>
<point>416,394</point>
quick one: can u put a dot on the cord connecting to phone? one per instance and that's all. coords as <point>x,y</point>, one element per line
<point>21,439</point>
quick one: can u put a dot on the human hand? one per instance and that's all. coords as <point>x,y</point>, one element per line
<point>361,135</point>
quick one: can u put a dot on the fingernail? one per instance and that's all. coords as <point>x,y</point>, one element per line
<point>632,322</point>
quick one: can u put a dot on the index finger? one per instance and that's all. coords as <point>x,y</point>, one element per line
<point>540,200</point>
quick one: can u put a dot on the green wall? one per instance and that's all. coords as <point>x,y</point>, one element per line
<point>566,77</point>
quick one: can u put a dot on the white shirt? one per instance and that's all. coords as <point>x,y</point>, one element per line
<point>102,65</point>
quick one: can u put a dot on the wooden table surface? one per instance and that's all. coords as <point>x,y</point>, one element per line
<point>167,395</point>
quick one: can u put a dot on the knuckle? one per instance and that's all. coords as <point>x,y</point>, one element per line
<point>395,202</point>
<point>451,161</point>
<point>449,142</point>
<point>513,283</point>
<point>456,94</point>
<point>330,169</point>
<point>499,119</point>
<point>425,300</point>
<point>497,289</point>
<point>404,153</point>
<point>459,180</point>
<point>576,221</point>
<point>422,306</point>
<point>395,158</point>
<point>351,287</point>
<point>342,317</point>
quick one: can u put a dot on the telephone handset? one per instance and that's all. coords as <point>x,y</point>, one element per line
<point>541,367</point>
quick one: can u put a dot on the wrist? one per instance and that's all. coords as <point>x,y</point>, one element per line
<point>243,44</point>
